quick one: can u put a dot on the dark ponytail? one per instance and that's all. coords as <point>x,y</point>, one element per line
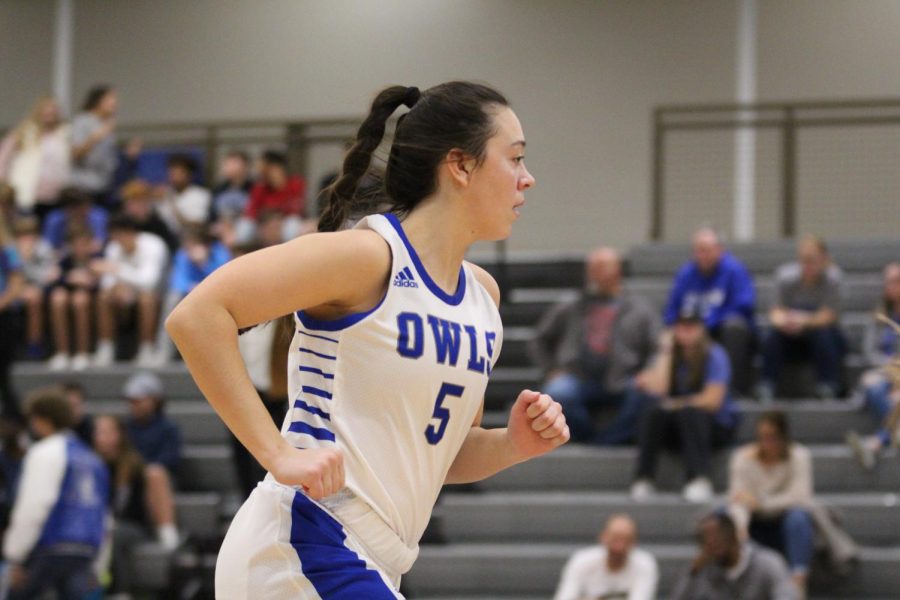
<point>453,115</point>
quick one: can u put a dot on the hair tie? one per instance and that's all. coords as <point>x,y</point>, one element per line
<point>412,96</point>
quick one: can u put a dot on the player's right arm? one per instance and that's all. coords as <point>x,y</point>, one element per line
<point>328,274</point>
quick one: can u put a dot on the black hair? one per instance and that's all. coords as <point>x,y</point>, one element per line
<point>274,157</point>
<point>95,95</point>
<point>724,523</point>
<point>122,222</point>
<point>72,196</point>
<point>49,404</point>
<point>453,115</point>
<point>185,161</point>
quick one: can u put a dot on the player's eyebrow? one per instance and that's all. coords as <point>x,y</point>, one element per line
<point>519,143</point>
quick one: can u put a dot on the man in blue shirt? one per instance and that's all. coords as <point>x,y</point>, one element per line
<point>58,521</point>
<point>718,286</point>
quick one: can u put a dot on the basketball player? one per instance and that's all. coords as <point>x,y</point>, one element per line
<point>395,337</point>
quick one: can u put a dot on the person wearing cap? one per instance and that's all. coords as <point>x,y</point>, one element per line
<point>687,406</point>
<point>132,270</point>
<point>719,286</point>
<point>58,521</point>
<point>158,441</point>
<point>613,568</point>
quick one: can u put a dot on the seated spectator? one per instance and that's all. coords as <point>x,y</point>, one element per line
<point>12,282</point>
<point>726,569</point>
<point>612,569</point>
<point>275,191</point>
<point>718,285</point>
<point>95,155</point>
<point>12,452</point>
<point>233,193</point>
<point>138,202</point>
<point>74,292</point>
<point>185,203</point>
<point>132,268</point>
<point>75,207</point>
<point>58,520</point>
<point>35,158</point>
<point>805,320</point>
<point>158,441</point>
<point>771,489</point>
<point>200,255</point>
<point>592,347</point>
<point>40,270</point>
<point>687,407</point>
<point>82,421</point>
<point>881,385</point>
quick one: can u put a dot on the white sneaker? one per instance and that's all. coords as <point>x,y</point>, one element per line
<point>168,537</point>
<point>81,362</point>
<point>59,362</point>
<point>146,357</point>
<point>642,490</point>
<point>105,354</point>
<point>698,490</point>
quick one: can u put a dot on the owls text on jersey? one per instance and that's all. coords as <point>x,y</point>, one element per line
<point>398,387</point>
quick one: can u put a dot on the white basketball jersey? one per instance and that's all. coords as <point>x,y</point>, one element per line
<point>395,388</point>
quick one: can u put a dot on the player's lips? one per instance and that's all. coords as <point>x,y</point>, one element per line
<point>517,206</point>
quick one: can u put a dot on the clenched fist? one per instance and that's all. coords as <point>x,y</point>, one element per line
<point>536,425</point>
<point>320,471</point>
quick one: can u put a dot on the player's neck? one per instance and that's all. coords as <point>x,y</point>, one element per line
<point>440,240</point>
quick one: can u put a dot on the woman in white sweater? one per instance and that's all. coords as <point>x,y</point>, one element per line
<point>771,492</point>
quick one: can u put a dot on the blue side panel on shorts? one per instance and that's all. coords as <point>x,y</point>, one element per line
<point>335,571</point>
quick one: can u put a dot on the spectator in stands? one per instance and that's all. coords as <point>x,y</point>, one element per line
<point>82,421</point>
<point>40,270</point>
<point>200,255</point>
<point>185,203</point>
<point>132,268</point>
<point>12,452</point>
<point>771,489</point>
<point>804,320</point>
<point>687,406</point>
<point>12,281</point>
<point>276,191</point>
<point>233,192</point>
<point>75,207</point>
<point>158,440</point>
<point>720,287</point>
<point>612,569</point>
<point>74,291</point>
<point>592,347</point>
<point>94,151</point>
<point>57,523</point>
<point>726,569</point>
<point>880,386</point>
<point>139,203</point>
<point>35,158</point>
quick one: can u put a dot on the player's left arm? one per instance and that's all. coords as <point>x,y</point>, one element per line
<point>536,426</point>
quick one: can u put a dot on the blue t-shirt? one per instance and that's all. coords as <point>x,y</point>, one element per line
<point>9,263</point>
<point>718,370</point>
<point>186,274</point>
<point>727,291</point>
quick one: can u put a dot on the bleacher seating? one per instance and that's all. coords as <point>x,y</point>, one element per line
<point>510,536</point>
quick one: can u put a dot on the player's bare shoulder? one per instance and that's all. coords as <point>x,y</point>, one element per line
<point>487,280</point>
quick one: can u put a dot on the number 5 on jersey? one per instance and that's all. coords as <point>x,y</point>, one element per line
<point>441,413</point>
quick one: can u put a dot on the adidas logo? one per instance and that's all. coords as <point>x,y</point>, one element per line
<point>405,279</point>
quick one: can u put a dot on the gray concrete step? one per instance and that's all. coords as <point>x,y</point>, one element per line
<point>106,382</point>
<point>871,519</point>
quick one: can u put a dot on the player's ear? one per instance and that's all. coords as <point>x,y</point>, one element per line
<point>460,166</point>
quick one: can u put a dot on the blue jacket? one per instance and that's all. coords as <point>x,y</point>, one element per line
<point>728,291</point>
<point>157,441</point>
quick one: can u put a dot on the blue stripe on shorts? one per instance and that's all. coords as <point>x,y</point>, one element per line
<point>335,571</point>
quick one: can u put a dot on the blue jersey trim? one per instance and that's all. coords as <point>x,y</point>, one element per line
<point>451,299</point>
<point>337,324</point>
<point>335,571</point>
<point>320,433</point>
<point>311,409</point>
<point>308,351</point>
<point>308,389</point>
<point>318,337</point>
<point>316,371</point>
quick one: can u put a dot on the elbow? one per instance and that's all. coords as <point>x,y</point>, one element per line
<point>176,321</point>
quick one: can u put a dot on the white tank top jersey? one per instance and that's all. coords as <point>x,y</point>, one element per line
<point>396,388</point>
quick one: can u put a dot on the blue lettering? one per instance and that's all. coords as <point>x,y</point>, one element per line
<point>476,362</point>
<point>404,320</point>
<point>446,339</point>
<point>489,338</point>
